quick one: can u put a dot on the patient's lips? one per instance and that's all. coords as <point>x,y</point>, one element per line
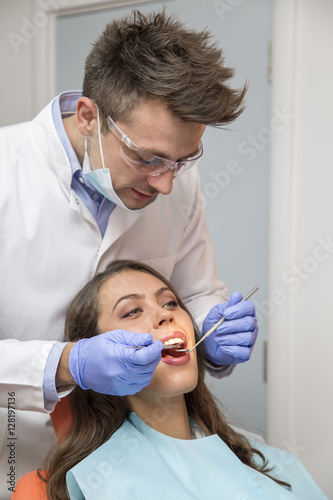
<point>173,356</point>
<point>178,343</point>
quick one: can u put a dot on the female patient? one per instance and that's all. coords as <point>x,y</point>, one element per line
<point>170,440</point>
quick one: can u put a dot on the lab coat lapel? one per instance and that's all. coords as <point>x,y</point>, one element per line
<point>120,221</point>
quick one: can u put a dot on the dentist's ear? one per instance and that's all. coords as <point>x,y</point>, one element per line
<point>86,114</point>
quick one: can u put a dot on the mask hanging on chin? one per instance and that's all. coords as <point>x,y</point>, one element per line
<point>100,178</point>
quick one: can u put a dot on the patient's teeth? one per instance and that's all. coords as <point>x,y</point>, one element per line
<point>174,341</point>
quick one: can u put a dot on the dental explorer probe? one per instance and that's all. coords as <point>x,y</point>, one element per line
<point>172,346</point>
<point>218,323</point>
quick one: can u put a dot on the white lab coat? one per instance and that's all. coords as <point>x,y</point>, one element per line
<point>51,246</point>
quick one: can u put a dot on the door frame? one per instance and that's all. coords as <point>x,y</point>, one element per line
<point>281,224</point>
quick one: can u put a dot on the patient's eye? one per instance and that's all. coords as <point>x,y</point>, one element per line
<point>171,303</point>
<point>132,312</point>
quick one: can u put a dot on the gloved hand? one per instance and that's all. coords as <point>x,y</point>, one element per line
<point>105,365</point>
<point>233,341</point>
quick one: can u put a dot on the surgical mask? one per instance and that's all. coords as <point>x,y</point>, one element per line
<point>100,178</point>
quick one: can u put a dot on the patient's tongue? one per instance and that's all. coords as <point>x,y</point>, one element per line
<point>174,353</point>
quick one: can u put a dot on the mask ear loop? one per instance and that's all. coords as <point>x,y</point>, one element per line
<point>99,137</point>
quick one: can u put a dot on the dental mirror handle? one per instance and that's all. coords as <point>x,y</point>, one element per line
<point>140,346</point>
<point>219,322</point>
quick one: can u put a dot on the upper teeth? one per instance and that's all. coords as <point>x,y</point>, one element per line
<point>174,341</point>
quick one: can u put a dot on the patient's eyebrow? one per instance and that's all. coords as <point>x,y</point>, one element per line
<point>161,290</point>
<point>130,296</point>
<point>139,296</point>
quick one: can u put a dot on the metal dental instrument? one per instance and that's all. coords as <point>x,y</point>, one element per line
<point>217,324</point>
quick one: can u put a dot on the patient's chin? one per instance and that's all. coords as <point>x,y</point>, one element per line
<point>172,383</point>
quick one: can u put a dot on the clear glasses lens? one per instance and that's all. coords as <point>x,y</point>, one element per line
<point>152,165</point>
<point>147,163</point>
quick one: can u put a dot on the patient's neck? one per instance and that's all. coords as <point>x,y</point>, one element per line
<point>166,415</point>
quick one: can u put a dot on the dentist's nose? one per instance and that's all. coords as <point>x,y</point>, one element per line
<point>162,183</point>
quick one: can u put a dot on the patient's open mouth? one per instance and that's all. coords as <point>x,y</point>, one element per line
<point>177,339</point>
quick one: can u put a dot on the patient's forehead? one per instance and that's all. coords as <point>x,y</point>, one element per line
<point>129,282</point>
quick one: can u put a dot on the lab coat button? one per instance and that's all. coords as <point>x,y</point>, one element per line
<point>77,201</point>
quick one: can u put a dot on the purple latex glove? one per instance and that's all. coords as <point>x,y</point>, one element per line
<point>233,341</point>
<point>105,365</point>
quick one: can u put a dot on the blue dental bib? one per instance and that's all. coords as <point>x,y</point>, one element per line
<point>141,463</point>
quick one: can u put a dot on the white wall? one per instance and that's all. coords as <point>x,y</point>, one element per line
<point>300,373</point>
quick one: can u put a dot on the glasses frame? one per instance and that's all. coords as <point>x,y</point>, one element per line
<point>179,167</point>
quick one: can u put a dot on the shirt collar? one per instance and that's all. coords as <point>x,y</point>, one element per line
<point>64,106</point>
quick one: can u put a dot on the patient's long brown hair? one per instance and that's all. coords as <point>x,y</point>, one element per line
<point>96,416</point>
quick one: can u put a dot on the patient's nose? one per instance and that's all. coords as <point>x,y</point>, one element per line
<point>163,318</point>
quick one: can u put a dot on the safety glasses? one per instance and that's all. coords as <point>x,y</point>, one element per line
<point>146,163</point>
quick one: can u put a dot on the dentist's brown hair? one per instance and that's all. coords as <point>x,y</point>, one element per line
<point>154,57</point>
